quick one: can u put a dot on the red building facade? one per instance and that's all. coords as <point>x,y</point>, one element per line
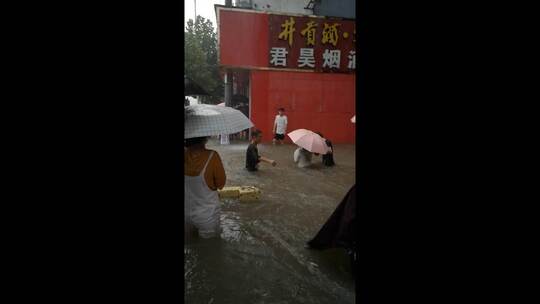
<point>316,94</point>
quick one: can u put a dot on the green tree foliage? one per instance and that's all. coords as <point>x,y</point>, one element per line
<point>200,57</point>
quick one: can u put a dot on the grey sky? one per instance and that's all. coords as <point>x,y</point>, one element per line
<point>205,8</point>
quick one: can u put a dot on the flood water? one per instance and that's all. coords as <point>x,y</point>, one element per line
<point>260,257</point>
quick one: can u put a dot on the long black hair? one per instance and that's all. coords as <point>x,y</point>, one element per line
<point>194,141</point>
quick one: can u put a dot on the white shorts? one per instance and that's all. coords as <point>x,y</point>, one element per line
<point>210,230</point>
<point>208,227</point>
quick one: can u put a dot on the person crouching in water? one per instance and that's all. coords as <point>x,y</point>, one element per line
<point>252,153</point>
<point>328,158</point>
<point>302,157</point>
<point>203,176</point>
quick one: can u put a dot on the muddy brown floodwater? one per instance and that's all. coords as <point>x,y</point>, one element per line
<point>260,257</point>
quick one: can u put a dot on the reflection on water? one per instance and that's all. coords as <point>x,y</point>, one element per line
<point>260,257</point>
<point>251,263</point>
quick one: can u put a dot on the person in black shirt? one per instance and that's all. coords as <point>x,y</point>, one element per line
<point>328,158</point>
<point>252,154</point>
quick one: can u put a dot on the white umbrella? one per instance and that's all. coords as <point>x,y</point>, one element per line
<point>209,120</point>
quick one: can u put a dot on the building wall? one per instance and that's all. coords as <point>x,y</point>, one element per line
<point>282,6</point>
<point>314,101</point>
<point>336,8</point>
<point>322,102</point>
<point>332,8</point>
<point>243,39</point>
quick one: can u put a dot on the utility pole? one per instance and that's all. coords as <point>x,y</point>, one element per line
<point>228,85</point>
<point>195,2</point>
<point>228,74</point>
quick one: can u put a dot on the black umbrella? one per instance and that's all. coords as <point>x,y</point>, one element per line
<point>192,88</point>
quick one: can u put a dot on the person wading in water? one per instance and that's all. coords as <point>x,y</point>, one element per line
<point>203,176</point>
<point>252,154</point>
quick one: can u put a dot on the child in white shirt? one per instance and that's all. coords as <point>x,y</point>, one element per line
<point>280,126</point>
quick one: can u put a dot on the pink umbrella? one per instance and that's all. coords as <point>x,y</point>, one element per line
<point>353,119</point>
<point>309,140</point>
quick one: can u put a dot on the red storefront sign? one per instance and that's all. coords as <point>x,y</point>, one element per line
<point>319,44</point>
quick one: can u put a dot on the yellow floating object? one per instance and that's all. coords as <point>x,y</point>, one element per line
<point>244,193</point>
<point>229,192</point>
<point>248,194</point>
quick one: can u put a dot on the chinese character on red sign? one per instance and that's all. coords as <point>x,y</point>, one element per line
<point>319,44</point>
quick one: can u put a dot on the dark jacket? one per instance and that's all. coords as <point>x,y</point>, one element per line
<point>328,159</point>
<point>339,229</point>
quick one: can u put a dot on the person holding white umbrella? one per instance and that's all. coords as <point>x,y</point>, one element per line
<point>203,170</point>
<point>203,176</point>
